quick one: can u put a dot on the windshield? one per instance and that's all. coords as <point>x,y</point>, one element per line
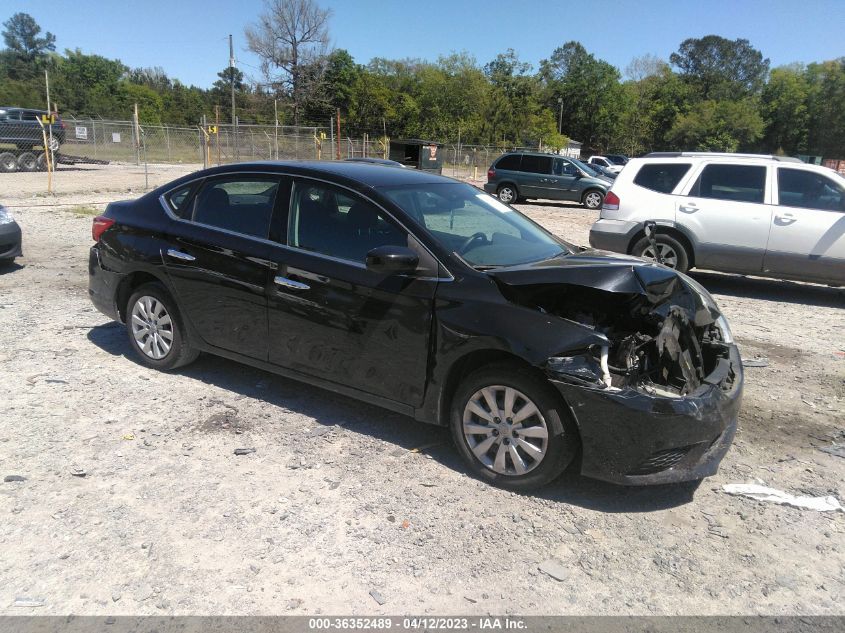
<point>476,226</point>
<point>588,169</point>
<point>617,159</point>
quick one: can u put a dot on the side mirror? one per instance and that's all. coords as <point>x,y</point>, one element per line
<point>392,260</point>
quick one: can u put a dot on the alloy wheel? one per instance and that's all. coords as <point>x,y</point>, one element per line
<point>152,327</point>
<point>507,195</point>
<point>667,253</point>
<point>505,430</point>
<point>592,200</point>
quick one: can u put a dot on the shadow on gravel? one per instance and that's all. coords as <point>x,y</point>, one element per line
<point>562,204</point>
<point>771,289</point>
<point>9,267</point>
<point>405,434</point>
<point>601,496</point>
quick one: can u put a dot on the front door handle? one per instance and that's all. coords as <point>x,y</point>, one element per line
<point>172,252</point>
<point>688,208</point>
<point>290,283</point>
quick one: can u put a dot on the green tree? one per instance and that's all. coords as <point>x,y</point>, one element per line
<point>718,126</point>
<point>719,68</point>
<point>653,98</point>
<point>826,104</point>
<point>785,108</point>
<point>88,84</point>
<point>25,51</point>
<point>588,91</point>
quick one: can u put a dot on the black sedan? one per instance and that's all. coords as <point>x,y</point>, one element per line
<point>429,297</point>
<point>10,236</point>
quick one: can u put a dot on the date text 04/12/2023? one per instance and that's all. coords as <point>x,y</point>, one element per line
<point>428,623</point>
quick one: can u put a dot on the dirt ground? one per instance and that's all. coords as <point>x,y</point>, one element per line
<point>341,499</point>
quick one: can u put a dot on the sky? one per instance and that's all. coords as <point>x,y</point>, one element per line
<point>189,38</point>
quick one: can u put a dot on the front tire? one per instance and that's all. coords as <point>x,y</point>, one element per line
<point>510,428</point>
<point>155,329</point>
<point>674,253</point>
<point>593,200</point>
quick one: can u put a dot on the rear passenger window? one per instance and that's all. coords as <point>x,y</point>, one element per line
<point>509,161</point>
<point>661,177</point>
<point>243,204</point>
<point>739,183</point>
<point>809,190</point>
<point>536,164</point>
<point>179,200</point>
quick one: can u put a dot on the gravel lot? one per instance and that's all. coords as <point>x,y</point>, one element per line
<point>342,500</point>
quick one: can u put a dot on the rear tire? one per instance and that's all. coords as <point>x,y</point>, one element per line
<point>498,446</point>
<point>27,162</point>
<point>8,163</point>
<point>507,194</point>
<point>155,329</point>
<point>674,253</point>
<point>41,162</point>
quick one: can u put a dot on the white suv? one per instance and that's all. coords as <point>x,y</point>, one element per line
<point>772,216</point>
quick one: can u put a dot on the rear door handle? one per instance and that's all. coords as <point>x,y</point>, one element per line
<point>688,208</point>
<point>290,283</point>
<point>172,252</point>
<point>786,217</point>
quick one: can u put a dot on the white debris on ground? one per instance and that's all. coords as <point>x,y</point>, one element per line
<point>772,495</point>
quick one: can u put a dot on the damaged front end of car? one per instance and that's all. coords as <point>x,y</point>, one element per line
<point>657,396</point>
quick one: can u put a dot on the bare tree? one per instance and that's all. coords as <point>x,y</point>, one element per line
<point>291,38</point>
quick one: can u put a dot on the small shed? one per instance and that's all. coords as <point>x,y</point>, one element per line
<point>423,155</point>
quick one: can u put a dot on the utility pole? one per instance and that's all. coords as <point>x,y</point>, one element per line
<point>48,153</point>
<point>232,82</point>
<point>217,126</point>
<point>560,117</point>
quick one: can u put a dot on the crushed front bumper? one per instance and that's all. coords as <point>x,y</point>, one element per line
<point>10,240</point>
<point>633,438</point>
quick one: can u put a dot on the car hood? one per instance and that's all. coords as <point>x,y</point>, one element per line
<point>614,273</point>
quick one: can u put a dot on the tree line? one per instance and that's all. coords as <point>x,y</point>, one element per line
<point>711,94</point>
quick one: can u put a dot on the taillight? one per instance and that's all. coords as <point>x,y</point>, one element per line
<point>101,223</point>
<point>491,174</point>
<point>611,202</point>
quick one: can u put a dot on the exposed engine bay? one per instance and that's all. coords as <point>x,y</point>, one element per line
<point>660,335</point>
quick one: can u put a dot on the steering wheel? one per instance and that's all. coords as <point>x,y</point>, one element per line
<point>472,238</point>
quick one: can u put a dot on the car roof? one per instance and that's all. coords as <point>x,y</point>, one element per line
<point>368,174</point>
<point>16,109</point>
<point>725,156</point>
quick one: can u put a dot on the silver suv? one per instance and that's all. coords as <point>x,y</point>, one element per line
<point>771,216</point>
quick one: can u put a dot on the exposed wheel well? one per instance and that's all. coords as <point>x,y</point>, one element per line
<point>508,183</point>
<point>128,286</point>
<point>465,365</point>
<point>678,235</point>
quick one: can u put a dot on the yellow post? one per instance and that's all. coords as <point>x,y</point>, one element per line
<point>47,157</point>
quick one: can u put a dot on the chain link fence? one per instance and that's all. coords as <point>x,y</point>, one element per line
<point>100,141</point>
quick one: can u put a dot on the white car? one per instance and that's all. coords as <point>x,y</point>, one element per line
<point>605,162</point>
<point>771,216</point>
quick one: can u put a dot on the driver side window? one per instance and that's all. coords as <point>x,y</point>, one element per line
<point>333,221</point>
<point>564,168</point>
